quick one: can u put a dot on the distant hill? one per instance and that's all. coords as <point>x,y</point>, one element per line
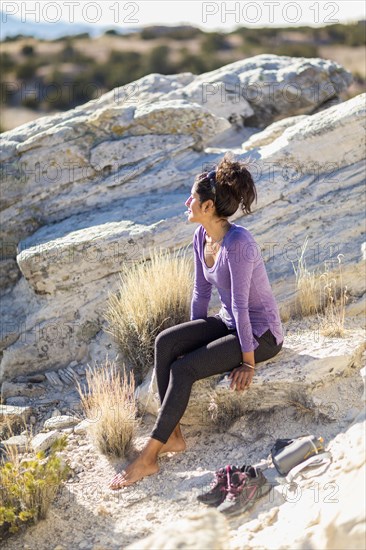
<point>12,26</point>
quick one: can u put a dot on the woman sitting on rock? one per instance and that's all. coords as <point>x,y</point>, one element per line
<point>246,331</point>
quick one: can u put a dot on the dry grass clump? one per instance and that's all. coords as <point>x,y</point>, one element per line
<point>307,286</point>
<point>11,425</point>
<point>154,294</point>
<point>332,320</point>
<point>110,406</point>
<point>221,413</point>
<point>322,294</point>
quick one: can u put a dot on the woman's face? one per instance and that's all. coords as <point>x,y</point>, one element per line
<point>194,207</point>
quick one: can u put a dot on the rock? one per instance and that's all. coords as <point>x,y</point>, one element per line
<point>54,379</point>
<point>9,273</point>
<point>133,131</point>
<point>206,529</point>
<point>18,442</point>
<point>117,194</point>
<point>303,377</point>
<point>220,92</point>
<point>262,89</point>
<point>363,374</point>
<point>271,132</point>
<point>17,401</point>
<point>282,86</point>
<point>82,427</point>
<point>9,389</point>
<point>76,467</point>
<point>68,430</point>
<point>43,441</point>
<point>306,143</point>
<point>60,422</point>
<point>12,412</point>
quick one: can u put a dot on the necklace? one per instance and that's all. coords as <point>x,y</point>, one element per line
<point>212,241</point>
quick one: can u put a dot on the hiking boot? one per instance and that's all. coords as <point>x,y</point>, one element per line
<point>244,490</point>
<point>219,486</point>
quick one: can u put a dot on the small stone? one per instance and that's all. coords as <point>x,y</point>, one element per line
<point>55,412</point>
<point>59,422</point>
<point>33,419</point>
<point>76,467</point>
<point>43,441</point>
<point>67,430</point>
<point>82,427</point>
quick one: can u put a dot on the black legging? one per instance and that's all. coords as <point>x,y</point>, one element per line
<point>209,348</point>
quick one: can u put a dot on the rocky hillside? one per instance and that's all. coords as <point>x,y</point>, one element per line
<point>90,189</point>
<point>87,190</point>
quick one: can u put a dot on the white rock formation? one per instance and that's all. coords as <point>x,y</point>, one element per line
<point>90,189</point>
<point>266,88</point>
<point>306,143</point>
<point>271,132</point>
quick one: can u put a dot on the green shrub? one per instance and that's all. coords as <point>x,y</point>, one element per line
<point>214,42</point>
<point>26,70</point>
<point>6,62</point>
<point>27,50</point>
<point>157,61</point>
<point>296,50</point>
<point>30,103</point>
<point>184,32</point>
<point>111,32</point>
<point>190,63</point>
<point>29,486</point>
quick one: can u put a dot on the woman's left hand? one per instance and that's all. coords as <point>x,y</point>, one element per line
<point>241,378</point>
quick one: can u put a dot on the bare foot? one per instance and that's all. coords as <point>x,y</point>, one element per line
<point>135,471</point>
<point>174,445</point>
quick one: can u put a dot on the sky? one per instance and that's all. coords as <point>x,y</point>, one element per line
<point>223,16</point>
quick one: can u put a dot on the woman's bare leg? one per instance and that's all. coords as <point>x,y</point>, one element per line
<point>144,465</point>
<point>176,442</point>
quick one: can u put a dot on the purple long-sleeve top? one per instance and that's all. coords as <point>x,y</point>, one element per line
<point>240,276</point>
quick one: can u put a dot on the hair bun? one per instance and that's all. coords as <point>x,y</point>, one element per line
<point>235,174</point>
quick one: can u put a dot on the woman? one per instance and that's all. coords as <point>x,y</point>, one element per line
<point>246,331</point>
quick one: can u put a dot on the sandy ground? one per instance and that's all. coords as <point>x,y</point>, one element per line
<point>88,515</point>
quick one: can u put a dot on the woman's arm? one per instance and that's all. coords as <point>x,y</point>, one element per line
<point>241,262</point>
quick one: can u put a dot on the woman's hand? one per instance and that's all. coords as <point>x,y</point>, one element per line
<point>241,377</point>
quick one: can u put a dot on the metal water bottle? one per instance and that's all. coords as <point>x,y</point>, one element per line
<point>297,451</point>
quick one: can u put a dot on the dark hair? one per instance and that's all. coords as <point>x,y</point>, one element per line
<point>229,186</point>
